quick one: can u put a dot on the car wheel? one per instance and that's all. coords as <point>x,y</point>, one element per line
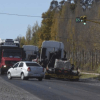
<point>9,76</point>
<point>22,76</point>
<point>40,79</point>
<point>26,78</point>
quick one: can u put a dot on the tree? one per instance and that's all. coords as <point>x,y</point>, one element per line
<point>53,5</point>
<point>18,38</point>
<point>35,37</point>
<point>54,27</point>
<point>28,35</point>
<point>22,41</point>
<point>45,33</point>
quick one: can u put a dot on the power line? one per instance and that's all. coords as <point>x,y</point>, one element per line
<point>32,16</point>
<point>18,15</point>
<point>12,14</point>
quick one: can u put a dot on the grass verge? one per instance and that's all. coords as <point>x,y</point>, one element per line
<point>84,76</point>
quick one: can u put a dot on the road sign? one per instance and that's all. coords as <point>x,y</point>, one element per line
<point>78,20</point>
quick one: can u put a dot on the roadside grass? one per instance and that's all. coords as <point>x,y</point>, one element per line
<point>84,76</point>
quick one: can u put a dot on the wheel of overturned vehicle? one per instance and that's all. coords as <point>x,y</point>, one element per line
<point>77,79</point>
<point>22,76</point>
<point>9,76</point>
<point>47,77</point>
<point>40,79</point>
<point>74,79</point>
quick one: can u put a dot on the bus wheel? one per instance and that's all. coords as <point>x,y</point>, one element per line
<point>1,72</point>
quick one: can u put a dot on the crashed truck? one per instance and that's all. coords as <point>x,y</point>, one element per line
<point>10,53</point>
<point>53,59</point>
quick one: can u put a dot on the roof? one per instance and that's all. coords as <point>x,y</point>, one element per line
<point>30,47</point>
<point>52,44</point>
<point>28,61</point>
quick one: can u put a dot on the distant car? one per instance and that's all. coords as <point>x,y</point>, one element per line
<point>26,70</point>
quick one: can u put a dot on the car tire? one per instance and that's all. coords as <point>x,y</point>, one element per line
<point>22,76</point>
<point>26,78</point>
<point>40,79</point>
<point>9,76</point>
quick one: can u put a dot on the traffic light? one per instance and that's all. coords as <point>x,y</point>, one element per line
<point>83,19</point>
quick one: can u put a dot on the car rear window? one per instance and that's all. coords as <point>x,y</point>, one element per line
<point>32,64</point>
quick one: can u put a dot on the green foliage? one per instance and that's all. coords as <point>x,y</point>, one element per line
<point>28,34</point>
<point>18,38</point>
<point>35,30</point>
<point>22,41</point>
<point>84,76</point>
<point>54,27</point>
<point>45,33</point>
<point>98,69</point>
<point>31,37</point>
<point>52,5</point>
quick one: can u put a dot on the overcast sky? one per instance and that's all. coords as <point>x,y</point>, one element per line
<point>12,26</point>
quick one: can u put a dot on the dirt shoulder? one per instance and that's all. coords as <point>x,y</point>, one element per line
<point>9,91</point>
<point>90,73</point>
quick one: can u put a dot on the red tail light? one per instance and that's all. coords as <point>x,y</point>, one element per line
<point>28,69</point>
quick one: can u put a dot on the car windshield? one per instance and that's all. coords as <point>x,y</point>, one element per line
<point>33,64</point>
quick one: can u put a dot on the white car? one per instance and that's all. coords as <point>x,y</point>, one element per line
<point>26,70</point>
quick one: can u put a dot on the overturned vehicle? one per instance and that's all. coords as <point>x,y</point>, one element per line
<point>53,59</point>
<point>63,69</point>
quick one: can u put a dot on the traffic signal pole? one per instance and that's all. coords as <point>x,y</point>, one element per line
<point>93,21</point>
<point>83,19</point>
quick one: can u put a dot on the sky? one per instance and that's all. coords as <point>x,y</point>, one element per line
<point>12,26</point>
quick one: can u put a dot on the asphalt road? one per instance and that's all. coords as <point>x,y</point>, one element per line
<point>54,89</point>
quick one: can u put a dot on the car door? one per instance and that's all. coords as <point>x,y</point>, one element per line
<point>14,70</point>
<point>19,69</point>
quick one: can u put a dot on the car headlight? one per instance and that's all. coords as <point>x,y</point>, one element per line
<point>4,66</point>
